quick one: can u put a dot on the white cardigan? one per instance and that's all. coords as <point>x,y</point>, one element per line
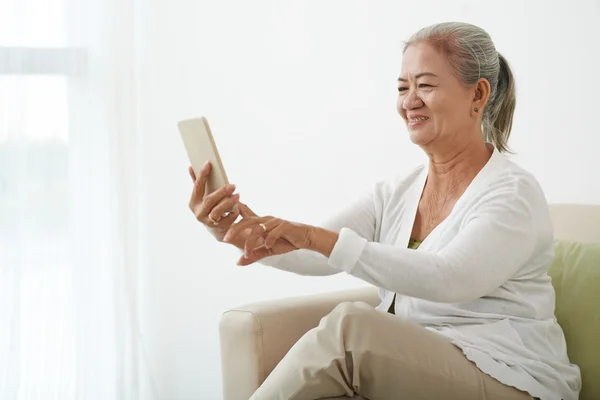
<point>479,278</point>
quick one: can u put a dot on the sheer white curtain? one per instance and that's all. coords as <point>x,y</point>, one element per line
<point>68,205</point>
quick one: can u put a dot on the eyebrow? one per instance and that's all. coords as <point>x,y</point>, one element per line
<point>417,76</point>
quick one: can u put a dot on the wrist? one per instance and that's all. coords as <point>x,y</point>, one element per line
<point>322,241</point>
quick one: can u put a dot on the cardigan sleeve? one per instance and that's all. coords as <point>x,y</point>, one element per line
<point>359,216</point>
<point>497,238</point>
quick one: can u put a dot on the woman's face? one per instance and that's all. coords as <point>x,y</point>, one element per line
<point>435,105</point>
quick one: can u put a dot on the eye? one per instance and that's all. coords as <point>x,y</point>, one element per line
<point>425,85</point>
<point>402,89</point>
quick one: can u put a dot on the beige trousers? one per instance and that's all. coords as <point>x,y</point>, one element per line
<point>358,350</point>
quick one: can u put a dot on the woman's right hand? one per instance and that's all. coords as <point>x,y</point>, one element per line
<point>217,210</point>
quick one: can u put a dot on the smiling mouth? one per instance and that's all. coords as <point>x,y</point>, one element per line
<point>419,119</point>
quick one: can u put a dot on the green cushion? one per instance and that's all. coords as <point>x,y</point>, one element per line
<point>575,275</point>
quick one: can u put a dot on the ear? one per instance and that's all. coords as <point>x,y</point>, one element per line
<point>481,95</point>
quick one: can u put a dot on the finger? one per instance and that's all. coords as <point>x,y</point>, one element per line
<point>239,227</point>
<point>256,237</point>
<point>192,173</point>
<point>228,220</point>
<point>223,207</point>
<point>262,252</point>
<point>266,224</point>
<point>211,200</point>
<point>256,255</point>
<point>246,212</point>
<point>252,241</point>
<point>274,235</point>
<point>200,183</point>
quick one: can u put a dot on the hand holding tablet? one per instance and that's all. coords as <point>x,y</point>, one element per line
<point>212,201</point>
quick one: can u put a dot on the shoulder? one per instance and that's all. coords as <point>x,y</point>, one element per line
<point>511,181</point>
<point>512,194</point>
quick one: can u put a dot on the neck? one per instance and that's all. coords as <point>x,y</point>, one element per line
<point>457,164</point>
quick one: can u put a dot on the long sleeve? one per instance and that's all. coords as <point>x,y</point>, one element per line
<point>359,216</point>
<point>497,238</point>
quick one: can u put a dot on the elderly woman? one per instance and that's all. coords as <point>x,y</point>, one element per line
<point>459,249</point>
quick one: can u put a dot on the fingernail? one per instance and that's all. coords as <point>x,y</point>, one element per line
<point>230,188</point>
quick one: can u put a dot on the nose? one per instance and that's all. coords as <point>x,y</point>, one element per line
<point>412,100</point>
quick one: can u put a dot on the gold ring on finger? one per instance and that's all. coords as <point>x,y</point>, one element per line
<point>264,228</point>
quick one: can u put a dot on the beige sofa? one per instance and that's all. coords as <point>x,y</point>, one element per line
<point>255,337</point>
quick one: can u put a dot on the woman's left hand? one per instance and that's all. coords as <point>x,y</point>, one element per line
<point>269,236</point>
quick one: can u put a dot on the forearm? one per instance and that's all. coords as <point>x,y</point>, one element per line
<point>312,259</point>
<point>309,261</point>
<point>301,262</point>
<point>306,260</point>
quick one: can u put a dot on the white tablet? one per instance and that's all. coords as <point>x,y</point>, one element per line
<point>201,147</point>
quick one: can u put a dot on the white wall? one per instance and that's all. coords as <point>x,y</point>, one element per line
<point>301,98</point>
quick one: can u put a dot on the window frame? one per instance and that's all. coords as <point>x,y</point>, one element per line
<point>67,61</point>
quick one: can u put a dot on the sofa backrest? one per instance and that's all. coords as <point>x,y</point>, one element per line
<point>575,276</point>
<point>576,222</point>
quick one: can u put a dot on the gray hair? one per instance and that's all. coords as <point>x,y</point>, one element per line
<point>472,55</point>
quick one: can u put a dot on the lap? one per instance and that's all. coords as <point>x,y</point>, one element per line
<point>358,350</point>
<point>369,328</point>
<point>396,354</point>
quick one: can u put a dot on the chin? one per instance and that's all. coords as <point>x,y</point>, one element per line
<point>419,137</point>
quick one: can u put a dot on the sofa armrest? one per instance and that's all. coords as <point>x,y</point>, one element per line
<point>255,337</point>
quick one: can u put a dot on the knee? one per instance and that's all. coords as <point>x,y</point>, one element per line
<point>350,312</point>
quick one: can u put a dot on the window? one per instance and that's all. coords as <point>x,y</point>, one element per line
<point>35,293</point>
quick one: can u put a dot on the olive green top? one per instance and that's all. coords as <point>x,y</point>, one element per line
<point>414,243</point>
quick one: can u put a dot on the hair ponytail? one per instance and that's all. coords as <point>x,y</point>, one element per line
<point>498,117</point>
